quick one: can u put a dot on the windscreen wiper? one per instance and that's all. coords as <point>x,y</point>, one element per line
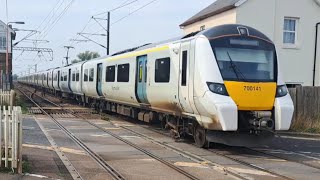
<point>236,69</point>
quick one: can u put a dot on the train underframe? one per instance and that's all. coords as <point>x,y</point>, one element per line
<point>255,127</point>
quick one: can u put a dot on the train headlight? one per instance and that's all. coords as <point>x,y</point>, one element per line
<point>218,88</point>
<point>282,91</point>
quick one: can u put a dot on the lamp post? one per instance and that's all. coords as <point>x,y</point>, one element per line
<point>7,52</point>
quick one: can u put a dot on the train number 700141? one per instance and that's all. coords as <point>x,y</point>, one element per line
<point>252,88</point>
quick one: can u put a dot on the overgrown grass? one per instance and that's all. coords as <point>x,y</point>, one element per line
<point>5,170</point>
<point>306,124</point>
<point>21,102</point>
<point>105,118</point>
<point>26,168</point>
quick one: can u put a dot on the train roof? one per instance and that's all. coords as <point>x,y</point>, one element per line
<point>233,29</point>
<point>214,32</point>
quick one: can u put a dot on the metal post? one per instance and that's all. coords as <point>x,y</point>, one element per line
<point>315,55</point>
<point>108,34</point>
<point>35,67</point>
<point>67,57</point>
<point>7,57</point>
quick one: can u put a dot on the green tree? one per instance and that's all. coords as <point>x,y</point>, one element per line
<point>75,61</point>
<point>87,55</point>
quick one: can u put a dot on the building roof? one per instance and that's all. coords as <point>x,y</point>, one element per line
<point>217,7</point>
<point>5,25</point>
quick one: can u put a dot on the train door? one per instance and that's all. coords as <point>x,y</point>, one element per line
<point>52,76</point>
<point>99,79</point>
<point>141,79</point>
<point>184,77</point>
<point>69,80</point>
<point>47,79</point>
<point>42,80</point>
<point>59,79</point>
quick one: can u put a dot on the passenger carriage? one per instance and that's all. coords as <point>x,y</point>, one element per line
<point>222,85</point>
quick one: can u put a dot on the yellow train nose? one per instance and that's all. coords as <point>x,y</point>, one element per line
<point>252,96</point>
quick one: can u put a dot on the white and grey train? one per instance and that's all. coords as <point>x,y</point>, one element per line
<point>219,85</point>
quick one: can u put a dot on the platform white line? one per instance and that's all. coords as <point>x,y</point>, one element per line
<point>72,170</point>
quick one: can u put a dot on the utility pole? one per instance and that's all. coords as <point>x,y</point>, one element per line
<point>108,34</point>
<point>68,48</point>
<point>106,29</point>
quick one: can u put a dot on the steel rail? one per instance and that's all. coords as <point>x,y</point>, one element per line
<point>189,155</point>
<point>251,165</point>
<point>167,163</point>
<point>233,159</point>
<point>217,153</point>
<point>116,175</point>
<point>286,159</point>
<point>250,149</point>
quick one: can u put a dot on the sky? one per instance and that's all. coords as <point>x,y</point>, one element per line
<point>61,20</point>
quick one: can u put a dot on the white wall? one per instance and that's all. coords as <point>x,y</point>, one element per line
<point>258,14</point>
<point>228,17</point>
<point>268,17</point>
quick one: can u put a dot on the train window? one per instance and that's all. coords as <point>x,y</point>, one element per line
<point>184,68</point>
<point>85,77</point>
<point>123,73</point>
<point>162,70</point>
<point>73,76</point>
<point>61,77</point>
<point>111,74</point>
<point>146,72</point>
<point>77,75</point>
<point>140,71</point>
<point>91,75</point>
<point>66,77</point>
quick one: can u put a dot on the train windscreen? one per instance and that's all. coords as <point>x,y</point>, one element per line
<point>245,59</point>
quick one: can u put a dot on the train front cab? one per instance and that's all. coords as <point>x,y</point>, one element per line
<point>242,98</point>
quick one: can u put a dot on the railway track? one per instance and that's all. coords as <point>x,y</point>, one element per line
<point>256,167</point>
<point>107,167</point>
<point>194,157</point>
<point>116,175</point>
<point>287,159</point>
<point>262,152</point>
<point>190,156</point>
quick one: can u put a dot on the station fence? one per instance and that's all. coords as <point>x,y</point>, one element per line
<point>10,132</point>
<point>6,97</point>
<point>307,108</point>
